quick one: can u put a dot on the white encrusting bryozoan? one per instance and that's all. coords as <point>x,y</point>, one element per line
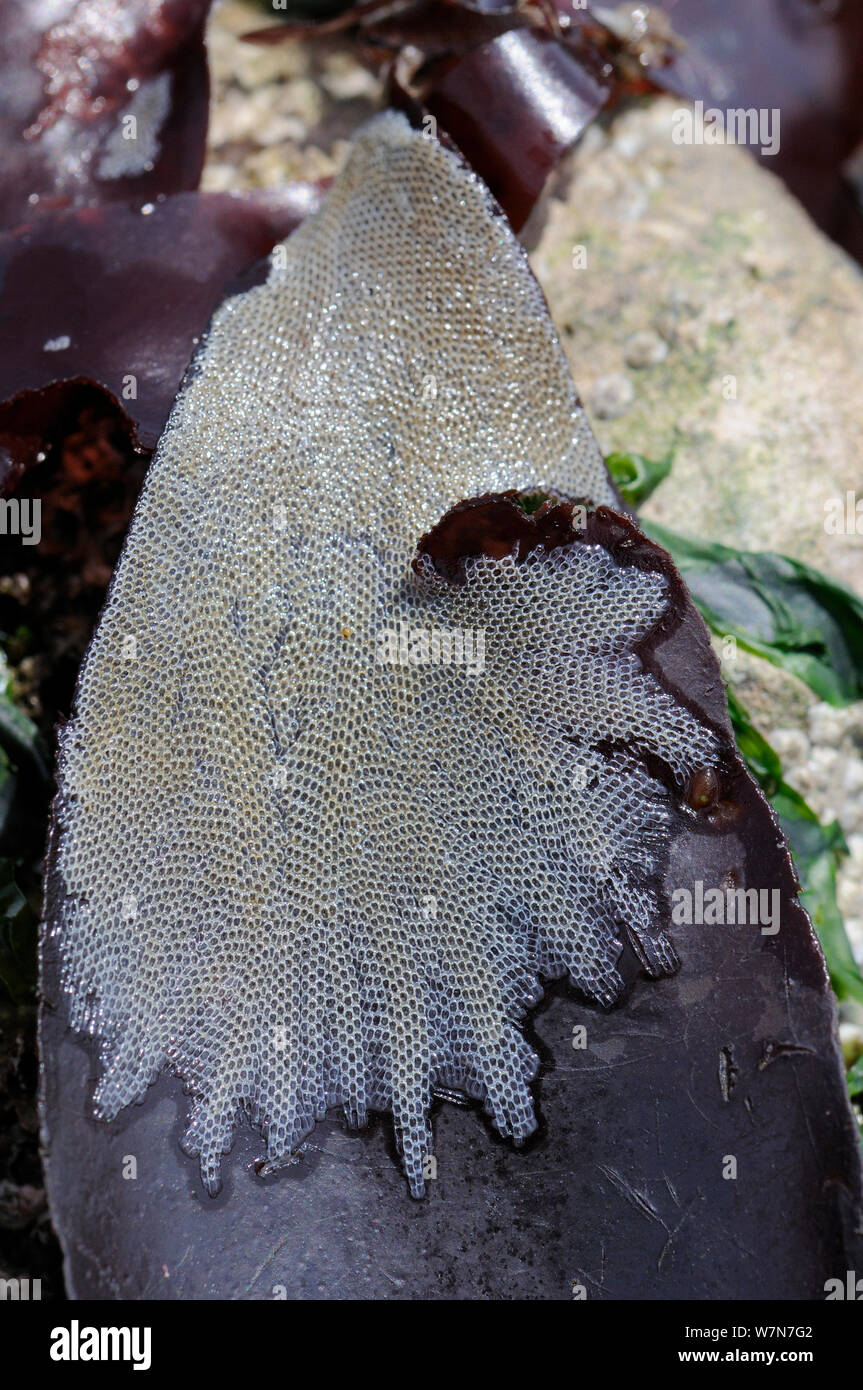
<point>302,859</point>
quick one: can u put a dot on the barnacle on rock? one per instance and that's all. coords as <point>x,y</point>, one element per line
<point>325,820</point>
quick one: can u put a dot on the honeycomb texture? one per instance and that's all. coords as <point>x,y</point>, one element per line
<point>297,862</point>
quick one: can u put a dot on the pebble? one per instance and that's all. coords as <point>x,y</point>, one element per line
<point>665,324</point>
<point>645,349</point>
<point>612,395</point>
<point>345,80</point>
<point>826,724</point>
<point>792,745</point>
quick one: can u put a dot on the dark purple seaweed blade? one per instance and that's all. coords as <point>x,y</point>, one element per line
<point>117,298</point>
<point>71,75</point>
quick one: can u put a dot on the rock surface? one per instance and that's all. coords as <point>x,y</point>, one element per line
<point>762,316</point>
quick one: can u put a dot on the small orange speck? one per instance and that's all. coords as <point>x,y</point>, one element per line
<point>347,632</point>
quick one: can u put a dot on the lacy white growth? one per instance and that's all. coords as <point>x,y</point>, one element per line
<point>348,873</point>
